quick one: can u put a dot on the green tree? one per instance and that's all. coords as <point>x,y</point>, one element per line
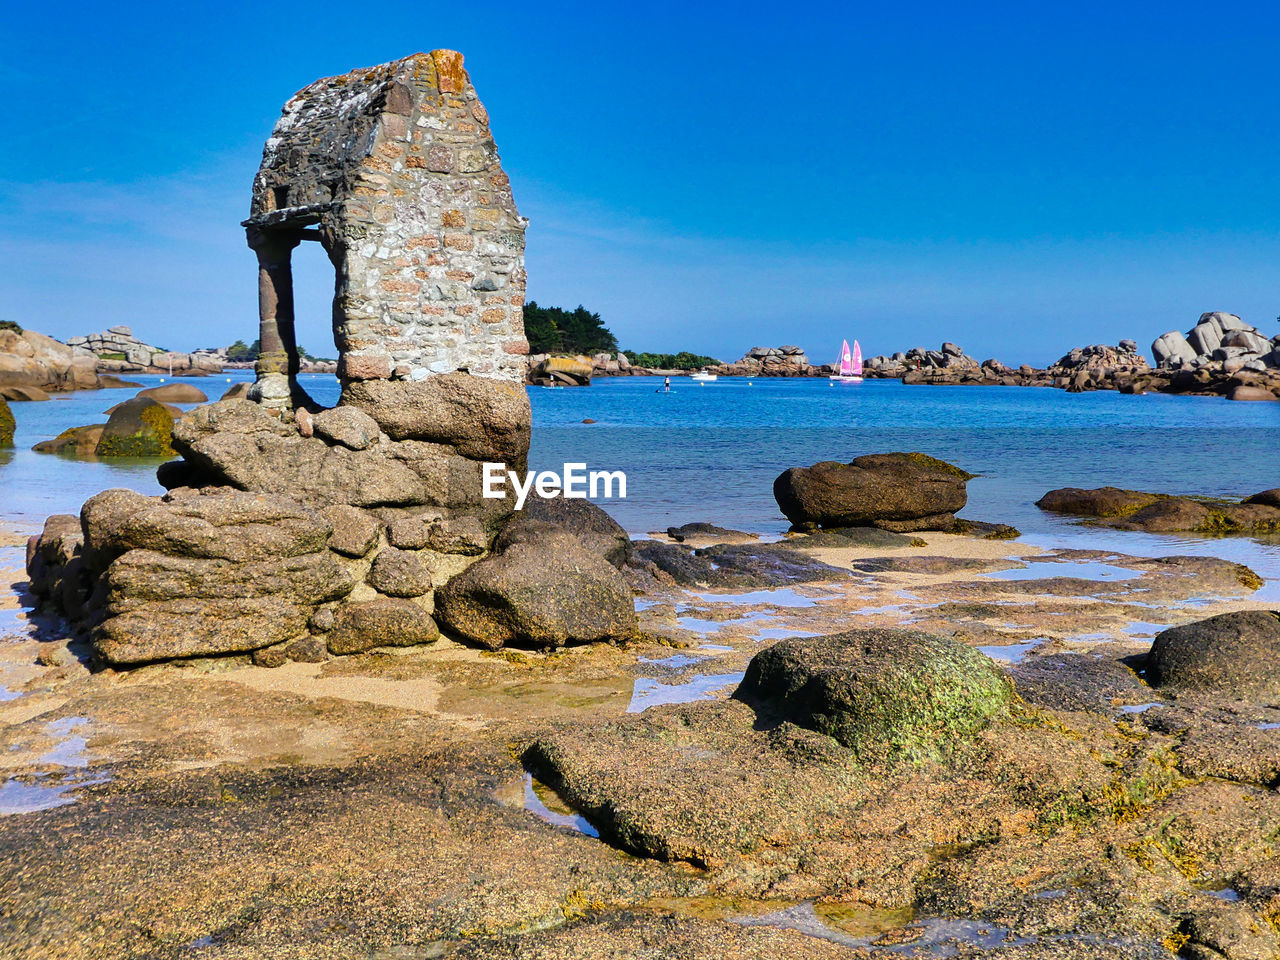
<point>241,352</point>
<point>684,360</point>
<point>555,330</point>
<point>10,325</point>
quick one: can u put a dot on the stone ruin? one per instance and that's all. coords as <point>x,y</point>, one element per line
<point>296,532</point>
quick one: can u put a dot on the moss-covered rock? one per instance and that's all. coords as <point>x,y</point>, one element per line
<point>140,427</point>
<point>74,441</point>
<point>885,694</point>
<point>6,424</point>
<point>1163,513</point>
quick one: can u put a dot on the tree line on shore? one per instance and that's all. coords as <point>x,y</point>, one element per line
<point>580,331</point>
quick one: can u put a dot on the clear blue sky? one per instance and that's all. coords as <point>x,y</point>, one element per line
<point>1019,178</point>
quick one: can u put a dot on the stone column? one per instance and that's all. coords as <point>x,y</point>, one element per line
<point>277,364</point>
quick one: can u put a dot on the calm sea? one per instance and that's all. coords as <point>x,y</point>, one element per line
<point>711,451</point>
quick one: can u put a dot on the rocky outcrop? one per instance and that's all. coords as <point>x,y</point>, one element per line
<point>118,351</point>
<point>1163,513</point>
<point>1098,367</point>
<point>785,361</point>
<point>30,359</point>
<point>1221,355</point>
<point>140,427</point>
<point>948,364</point>
<point>549,371</point>
<point>893,491</point>
<point>482,419</point>
<point>1234,654</point>
<point>594,529</point>
<point>1221,338</point>
<point>884,694</point>
<point>189,574</point>
<point>174,393</point>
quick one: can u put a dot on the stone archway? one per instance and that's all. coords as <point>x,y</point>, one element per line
<point>393,169</point>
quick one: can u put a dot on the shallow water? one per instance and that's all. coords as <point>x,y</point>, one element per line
<point>544,803</point>
<point>1012,652</point>
<point>651,693</point>
<point>779,597</point>
<point>1082,569</point>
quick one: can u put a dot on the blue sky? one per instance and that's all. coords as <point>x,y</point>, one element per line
<point>1018,178</point>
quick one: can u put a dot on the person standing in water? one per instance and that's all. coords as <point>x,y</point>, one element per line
<point>666,385</point>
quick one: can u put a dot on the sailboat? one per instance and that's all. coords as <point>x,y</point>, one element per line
<point>850,364</point>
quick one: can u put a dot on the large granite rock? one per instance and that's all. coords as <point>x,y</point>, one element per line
<point>197,574</point>
<point>885,694</point>
<point>385,622</point>
<point>1098,502</point>
<point>30,359</point>
<point>1234,654</point>
<point>551,592</point>
<point>482,419</point>
<point>1219,342</point>
<point>594,529</point>
<point>893,491</point>
<point>74,441</point>
<point>785,361</point>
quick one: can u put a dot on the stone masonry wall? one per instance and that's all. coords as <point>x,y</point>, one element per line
<point>397,166</point>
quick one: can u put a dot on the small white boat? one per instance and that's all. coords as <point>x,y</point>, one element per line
<point>850,364</point>
<point>702,376</point>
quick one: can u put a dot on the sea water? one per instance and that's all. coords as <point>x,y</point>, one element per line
<point>711,451</point>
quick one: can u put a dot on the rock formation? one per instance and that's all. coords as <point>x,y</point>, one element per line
<point>119,351</point>
<point>1162,513</point>
<point>948,364</point>
<point>549,371</point>
<point>785,361</point>
<point>1232,654</point>
<point>884,694</point>
<point>290,530</point>
<point>140,427</point>
<point>1217,338</point>
<point>893,491</point>
<point>32,360</point>
<point>1220,355</point>
<point>1098,367</point>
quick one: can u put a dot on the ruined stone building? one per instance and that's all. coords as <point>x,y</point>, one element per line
<point>292,532</point>
<point>394,171</point>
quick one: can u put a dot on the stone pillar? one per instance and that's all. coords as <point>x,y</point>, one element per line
<point>277,364</point>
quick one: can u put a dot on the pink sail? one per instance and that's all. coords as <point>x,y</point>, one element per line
<point>856,368</point>
<point>846,360</point>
